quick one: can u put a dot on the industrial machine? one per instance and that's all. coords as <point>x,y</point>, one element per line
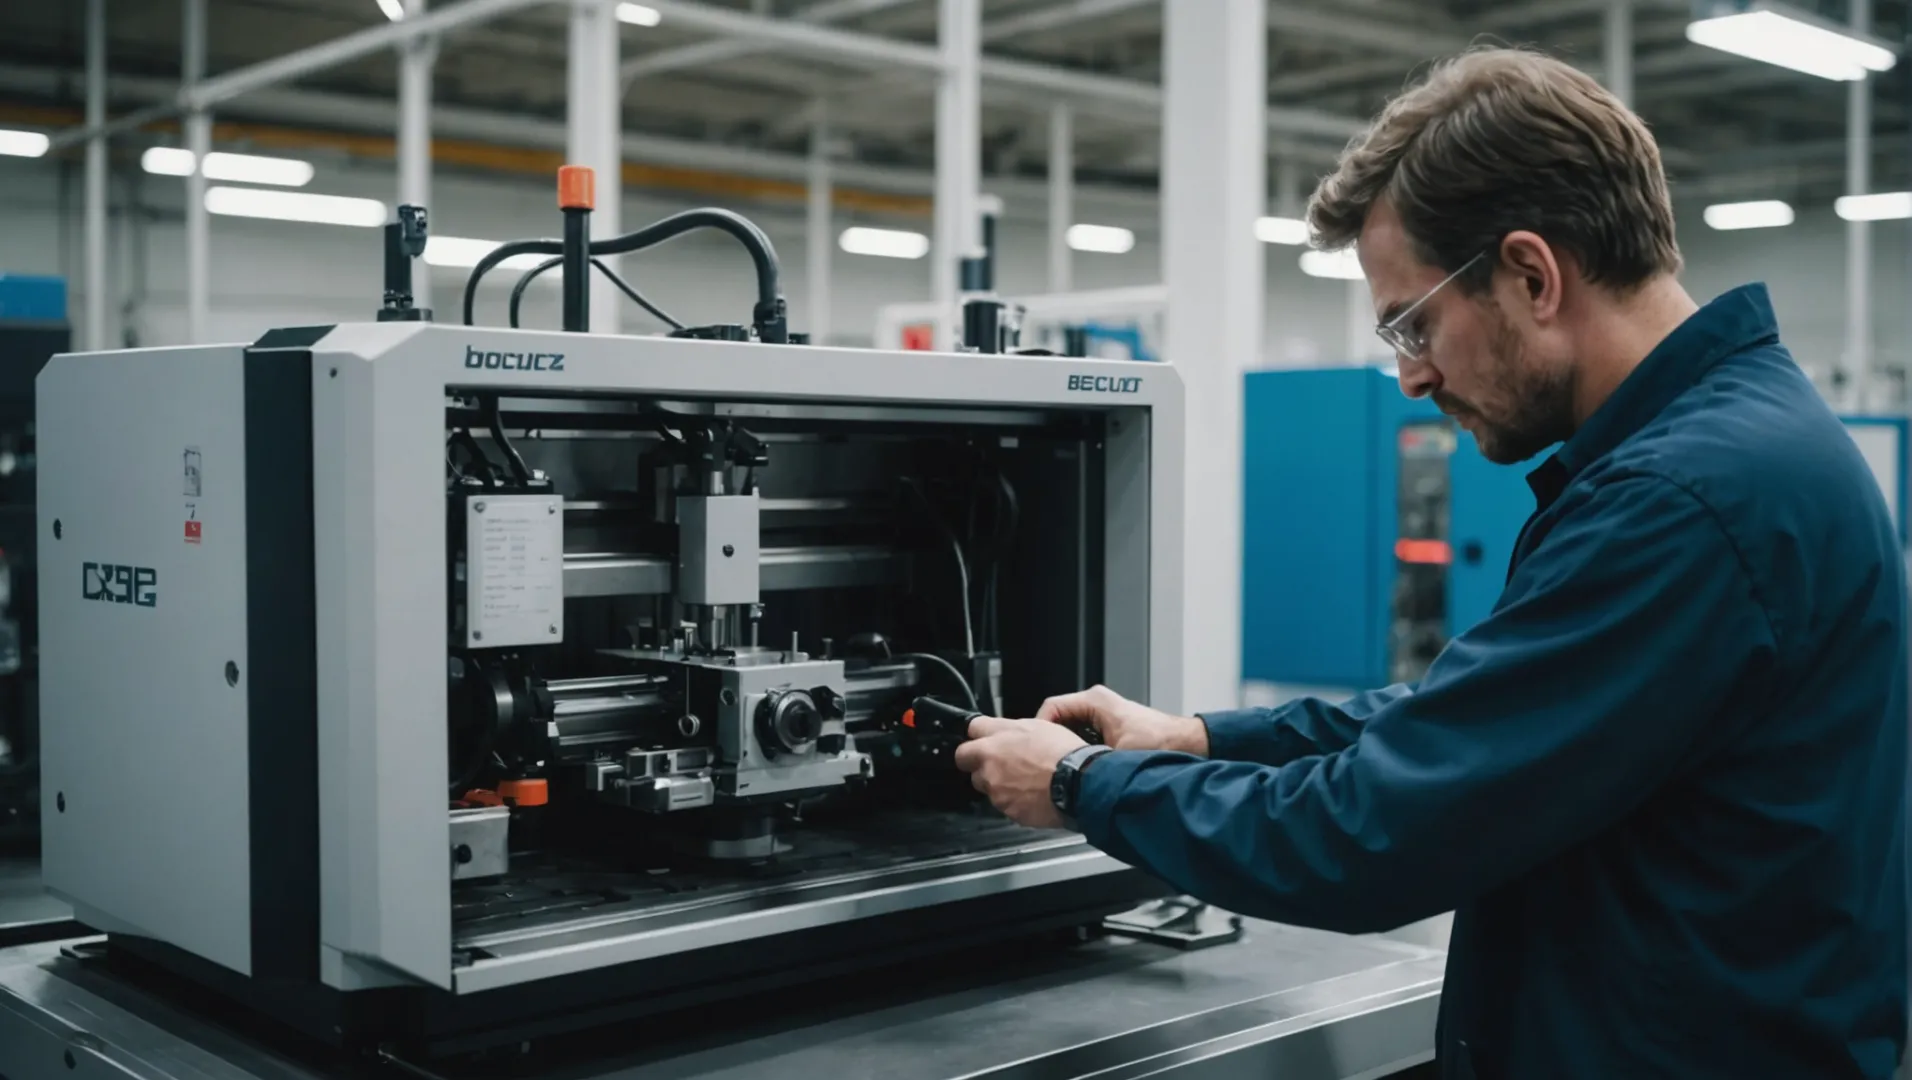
<point>1373,530</point>
<point>1107,324</point>
<point>438,685</point>
<point>33,327</point>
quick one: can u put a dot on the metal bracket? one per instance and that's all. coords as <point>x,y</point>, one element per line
<point>1181,921</point>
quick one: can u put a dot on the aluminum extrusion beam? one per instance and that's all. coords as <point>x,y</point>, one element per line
<point>816,40</point>
<point>1416,42</point>
<point>1036,22</point>
<point>705,53</point>
<point>297,65</point>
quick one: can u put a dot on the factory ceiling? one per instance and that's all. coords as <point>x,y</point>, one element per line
<point>1730,126</point>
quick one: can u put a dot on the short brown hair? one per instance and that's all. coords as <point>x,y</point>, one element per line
<point>1501,139</point>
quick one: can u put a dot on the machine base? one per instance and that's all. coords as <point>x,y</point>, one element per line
<point>1297,1004</point>
<point>426,1023</point>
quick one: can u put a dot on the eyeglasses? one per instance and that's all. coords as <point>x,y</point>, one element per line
<point>1411,345</point>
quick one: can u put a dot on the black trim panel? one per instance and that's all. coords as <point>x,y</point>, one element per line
<point>281,642</point>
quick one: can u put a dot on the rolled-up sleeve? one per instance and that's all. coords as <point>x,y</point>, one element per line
<point>1602,673</point>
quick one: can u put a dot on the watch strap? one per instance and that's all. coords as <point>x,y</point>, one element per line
<point>1068,779</point>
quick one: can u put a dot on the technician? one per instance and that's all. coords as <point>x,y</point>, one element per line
<point>1662,786</point>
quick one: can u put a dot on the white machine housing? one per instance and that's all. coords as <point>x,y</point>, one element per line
<point>260,535</point>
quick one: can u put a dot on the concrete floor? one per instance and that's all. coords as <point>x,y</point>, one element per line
<point>21,897</point>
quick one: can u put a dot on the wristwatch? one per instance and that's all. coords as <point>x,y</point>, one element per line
<point>1067,780</point>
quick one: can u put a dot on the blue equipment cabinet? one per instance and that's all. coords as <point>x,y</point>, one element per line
<point>1373,529</point>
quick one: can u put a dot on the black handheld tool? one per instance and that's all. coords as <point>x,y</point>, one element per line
<point>932,717</point>
<point>928,716</point>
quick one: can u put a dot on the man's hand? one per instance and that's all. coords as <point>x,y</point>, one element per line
<point>1127,725</point>
<point>1012,762</point>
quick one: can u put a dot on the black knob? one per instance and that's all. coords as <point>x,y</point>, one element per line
<point>461,854</point>
<point>788,722</point>
<point>1472,553</point>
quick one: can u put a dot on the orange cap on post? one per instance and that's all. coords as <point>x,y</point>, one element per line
<point>577,187</point>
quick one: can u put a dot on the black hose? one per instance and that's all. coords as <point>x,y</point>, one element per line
<point>524,282</point>
<point>962,563</point>
<point>463,438</point>
<point>768,315</point>
<point>969,695</point>
<point>512,457</point>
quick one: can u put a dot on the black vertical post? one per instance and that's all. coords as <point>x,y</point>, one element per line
<point>577,270</point>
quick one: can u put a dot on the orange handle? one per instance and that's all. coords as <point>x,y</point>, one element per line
<point>525,792</point>
<point>577,188</point>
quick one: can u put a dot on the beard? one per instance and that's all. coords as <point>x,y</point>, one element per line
<point>1527,407</point>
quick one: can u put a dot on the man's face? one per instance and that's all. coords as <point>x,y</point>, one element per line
<point>1484,365</point>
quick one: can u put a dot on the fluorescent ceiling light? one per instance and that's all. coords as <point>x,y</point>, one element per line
<point>167,161</point>
<point>393,9</point>
<point>23,143</point>
<point>463,252</point>
<point>1281,230</point>
<point>884,243</point>
<point>1883,206</point>
<point>1106,239</point>
<point>238,168</point>
<point>1342,265</point>
<point>1764,214</point>
<point>295,206</point>
<point>638,15</point>
<point>1776,35</point>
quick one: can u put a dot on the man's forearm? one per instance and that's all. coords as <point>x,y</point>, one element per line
<point>1298,729</point>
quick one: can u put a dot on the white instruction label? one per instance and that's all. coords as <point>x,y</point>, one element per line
<point>514,570</point>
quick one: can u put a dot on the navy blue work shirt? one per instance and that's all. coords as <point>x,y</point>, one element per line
<point>1662,785</point>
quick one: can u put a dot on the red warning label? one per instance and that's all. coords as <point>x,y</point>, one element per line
<point>192,532</point>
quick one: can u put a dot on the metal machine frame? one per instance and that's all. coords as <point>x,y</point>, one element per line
<point>343,593</point>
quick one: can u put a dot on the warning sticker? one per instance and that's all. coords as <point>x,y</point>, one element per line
<point>192,472</point>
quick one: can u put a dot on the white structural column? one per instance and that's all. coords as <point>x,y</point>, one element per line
<point>1214,187</point>
<point>596,137</point>
<point>818,227</point>
<point>1619,50</point>
<point>415,60</point>
<point>1858,351</point>
<point>199,143</point>
<point>1061,197</point>
<point>96,302</point>
<point>958,154</point>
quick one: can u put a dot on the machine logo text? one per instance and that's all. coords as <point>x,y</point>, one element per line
<point>513,361</point>
<point>112,583</point>
<point>1105,384</point>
